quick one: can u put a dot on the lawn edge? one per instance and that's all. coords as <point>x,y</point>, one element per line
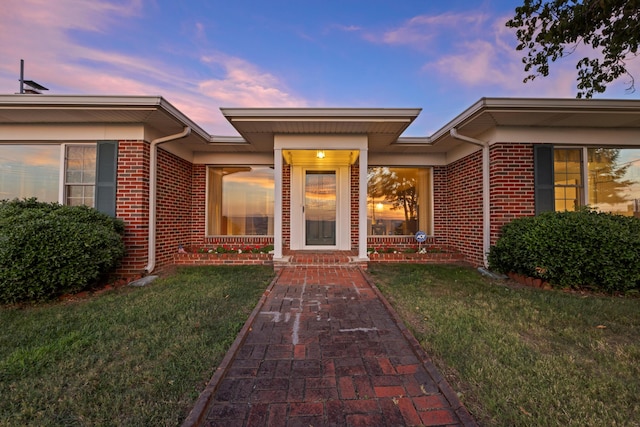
<point>201,405</point>
<point>449,393</point>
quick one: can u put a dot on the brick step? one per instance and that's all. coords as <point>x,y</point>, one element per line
<point>321,259</point>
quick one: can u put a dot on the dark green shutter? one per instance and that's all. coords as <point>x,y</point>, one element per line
<point>106,171</point>
<point>543,178</point>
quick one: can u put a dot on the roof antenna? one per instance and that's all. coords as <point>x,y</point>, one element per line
<point>32,87</point>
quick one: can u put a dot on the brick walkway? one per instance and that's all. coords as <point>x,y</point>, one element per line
<point>323,348</point>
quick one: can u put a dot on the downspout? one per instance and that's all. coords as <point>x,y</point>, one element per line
<point>153,188</point>
<point>486,196</point>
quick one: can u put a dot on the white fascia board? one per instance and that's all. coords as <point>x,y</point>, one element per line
<point>238,114</point>
<point>227,140</point>
<point>79,100</point>
<point>568,136</point>
<point>410,141</point>
<point>543,105</point>
<point>71,132</point>
<point>233,159</point>
<point>326,142</point>
<point>101,102</point>
<point>414,160</point>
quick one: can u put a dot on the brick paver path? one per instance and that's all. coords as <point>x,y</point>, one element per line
<point>324,350</point>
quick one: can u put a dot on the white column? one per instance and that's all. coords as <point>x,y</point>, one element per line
<point>277,204</point>
<point>362,205</point>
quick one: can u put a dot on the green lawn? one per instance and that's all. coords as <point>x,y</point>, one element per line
<point>521,356</point>
<point>131,356</point>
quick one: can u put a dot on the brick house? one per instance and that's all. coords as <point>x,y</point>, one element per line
<point>308,179</point>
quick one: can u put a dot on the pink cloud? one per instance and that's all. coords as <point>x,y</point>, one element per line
<point>41,33</point>
<point>244,84</point>
<point>421,30</point>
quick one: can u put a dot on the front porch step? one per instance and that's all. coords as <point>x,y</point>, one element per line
<point>320,259</point>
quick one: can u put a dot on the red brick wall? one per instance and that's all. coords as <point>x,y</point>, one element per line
<point>174,206</point>
<point>355,205</point>
<point>286,207</point>
<point>440,205</point>
<point>512,191</point>
<point>464,207</point>
<point>198,205</point>
<point>132,203</point>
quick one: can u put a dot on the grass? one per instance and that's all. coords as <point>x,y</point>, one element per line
<point>522,356</point>
<point>131,356</point>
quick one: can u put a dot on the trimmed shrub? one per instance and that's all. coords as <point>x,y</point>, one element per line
<point>47,249</point>
<point>572,249</point>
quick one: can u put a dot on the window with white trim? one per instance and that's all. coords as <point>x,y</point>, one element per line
<point>34,170</point>
<point>80,175</point>
<point>240,201</point>
<point>610,181</point>
<point>398,200</point>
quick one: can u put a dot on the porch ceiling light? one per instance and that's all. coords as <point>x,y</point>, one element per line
<point>320,154</point>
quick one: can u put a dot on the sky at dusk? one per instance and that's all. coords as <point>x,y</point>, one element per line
<point>203,55</point>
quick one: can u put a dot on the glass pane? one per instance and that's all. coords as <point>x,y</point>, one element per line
<point>241,201</point>
<point>320,208</point>
<point>614,180</point>
<point>392,200</point>
<point>73,176</point>
<point>567,171</point>
<point>80,164</point>
<point>30,171</point>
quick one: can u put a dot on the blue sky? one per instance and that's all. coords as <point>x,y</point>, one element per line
<point>203,55</point>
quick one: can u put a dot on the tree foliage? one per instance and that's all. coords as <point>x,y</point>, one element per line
<point>550,30</point>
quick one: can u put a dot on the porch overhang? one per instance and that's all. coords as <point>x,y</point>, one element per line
<point>258,126</point>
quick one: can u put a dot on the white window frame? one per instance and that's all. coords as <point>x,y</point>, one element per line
<point>62,191</point>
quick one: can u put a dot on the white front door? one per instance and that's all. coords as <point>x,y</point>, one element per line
<point>320,208</point>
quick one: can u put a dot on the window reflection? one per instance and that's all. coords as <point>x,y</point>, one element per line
<point>614,180</point>
<point>30,171</point>
<point>240,201</point>
<point>397,201</point>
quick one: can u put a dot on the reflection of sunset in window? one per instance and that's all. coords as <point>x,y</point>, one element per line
<point>398,200</point>
<point>240,201</point>
<point>614,180</point>
<point>611,184</point>
<point>30,171</point>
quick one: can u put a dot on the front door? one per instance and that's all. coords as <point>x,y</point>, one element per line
<point>320,207</point>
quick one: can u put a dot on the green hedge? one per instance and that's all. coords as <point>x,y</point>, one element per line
<point>47,249</point>
<point>572,249</point>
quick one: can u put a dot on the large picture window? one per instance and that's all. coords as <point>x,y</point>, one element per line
<point>610,182</point>
<point>398,200</point>
<point>30,171</point>
<point>240,201</point>
<point>33,170</point>
<point>614,180</point>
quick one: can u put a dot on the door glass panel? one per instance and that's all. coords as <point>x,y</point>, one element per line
<point>320,208</point>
